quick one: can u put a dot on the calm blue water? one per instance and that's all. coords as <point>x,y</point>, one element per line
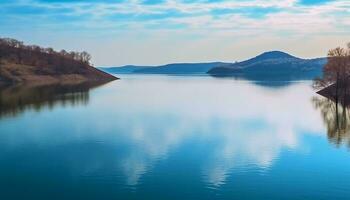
<point>164,137</point>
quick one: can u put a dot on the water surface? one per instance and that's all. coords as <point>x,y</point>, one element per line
<point>172,137</point>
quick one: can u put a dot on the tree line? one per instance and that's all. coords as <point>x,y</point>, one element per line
<point>16,52</point>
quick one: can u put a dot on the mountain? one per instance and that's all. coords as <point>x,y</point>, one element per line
<point>272,65</point>
<point>181,68</point>
<point>21,63</point>
<point>176,68</point>
<point>122,70</point>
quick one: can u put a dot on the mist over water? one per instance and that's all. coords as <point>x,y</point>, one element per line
<point>174,137</point>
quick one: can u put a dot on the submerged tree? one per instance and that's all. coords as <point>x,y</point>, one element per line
<point>336,75</point>
<point>334,86</point>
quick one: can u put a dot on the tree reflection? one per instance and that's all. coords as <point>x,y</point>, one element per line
<point>336,118</point>
<point>16,99</point>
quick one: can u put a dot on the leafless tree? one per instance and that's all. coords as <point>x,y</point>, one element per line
<point>16,52</point>
<point>336,73</point>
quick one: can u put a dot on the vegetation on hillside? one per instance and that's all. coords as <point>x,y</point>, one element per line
<point>14,51</point>
<point>31,63</point>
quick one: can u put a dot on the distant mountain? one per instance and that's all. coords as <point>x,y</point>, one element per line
<point>181,68</point>
<point>128,69</point>
<point>272,65</point>
<point>176,68</point>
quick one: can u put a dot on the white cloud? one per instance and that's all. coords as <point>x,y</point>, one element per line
<point>123,23</point>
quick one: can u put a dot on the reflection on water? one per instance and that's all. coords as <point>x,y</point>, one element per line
<point>176,138</point>
<point>248,124</point>
<point>16,99</point>
<point>274,80</point>
<point>336,119</point>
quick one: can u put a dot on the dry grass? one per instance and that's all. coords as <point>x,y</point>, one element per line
<point>14,73</point>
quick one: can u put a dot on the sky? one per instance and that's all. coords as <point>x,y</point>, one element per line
<point>154,32</point>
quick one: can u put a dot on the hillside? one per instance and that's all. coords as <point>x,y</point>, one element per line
<point>21,63</point>
<point>273,65</point>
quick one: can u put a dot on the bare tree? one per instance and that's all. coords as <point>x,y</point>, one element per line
<point>17,52</point>
<point>336,73</point>
<point>85,57</point>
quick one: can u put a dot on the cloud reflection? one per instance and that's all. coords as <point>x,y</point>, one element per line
<point>131,125</point>
<point>253,124</point>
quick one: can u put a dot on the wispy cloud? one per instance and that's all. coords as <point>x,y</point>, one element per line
<point>188,18</point>
<point>108,12</point>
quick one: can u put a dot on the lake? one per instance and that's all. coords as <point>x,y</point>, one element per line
<point>172,137</point>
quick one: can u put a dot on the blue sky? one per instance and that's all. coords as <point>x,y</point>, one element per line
<point>150,32</point>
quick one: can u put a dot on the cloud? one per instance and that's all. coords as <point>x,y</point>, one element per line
<point>80,1</point>
<point>314,2</point>
<point>151,13</point>
<point>251,12</point>
<point>152,2</point>
<point>196,19</point>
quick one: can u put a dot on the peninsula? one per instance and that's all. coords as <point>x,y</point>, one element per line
<point>21,63</point>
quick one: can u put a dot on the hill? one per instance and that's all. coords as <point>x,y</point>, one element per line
<point>273,65</point>
<point>21,63</point>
